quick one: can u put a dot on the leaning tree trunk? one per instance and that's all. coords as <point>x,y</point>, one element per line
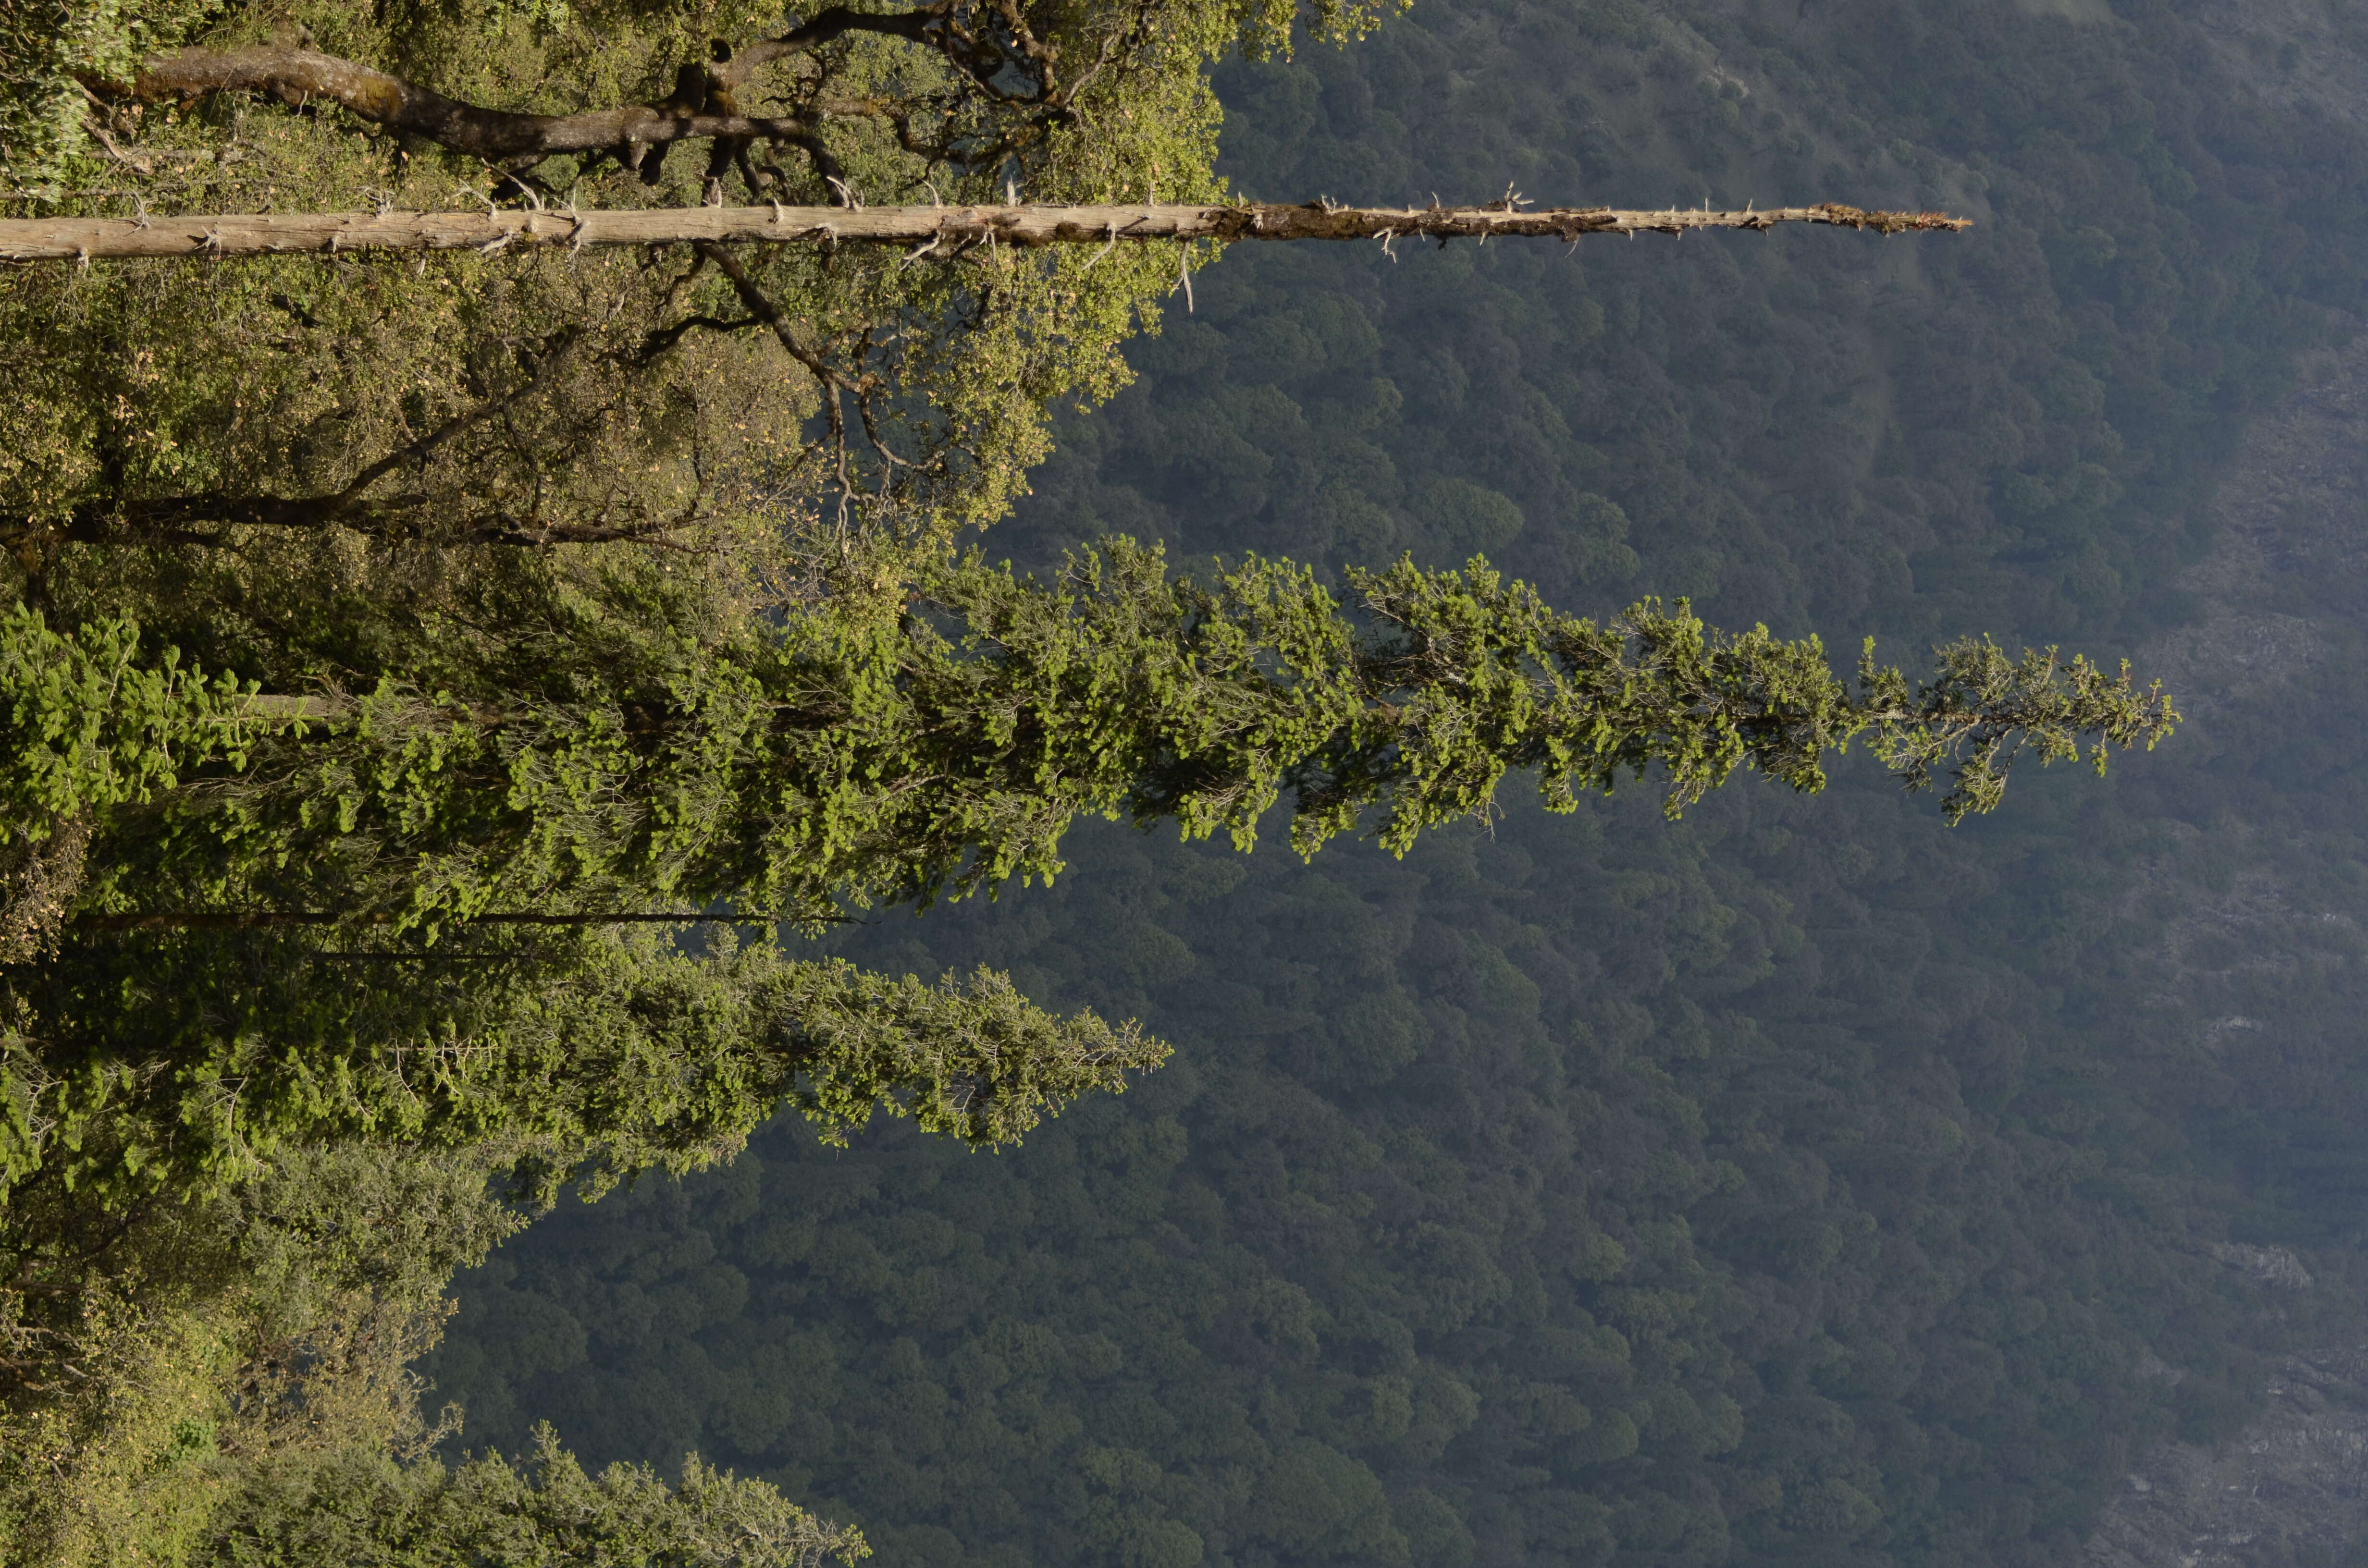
<point>941,231</point>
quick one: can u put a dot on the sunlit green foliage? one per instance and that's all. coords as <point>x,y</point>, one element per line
<point>537,397</point>
<point>85,725</point>
<point>361,1507</point>
<point>91,725</point>
<point>187,1062</point>
<point>606,758</point>
<point>152,1350</point>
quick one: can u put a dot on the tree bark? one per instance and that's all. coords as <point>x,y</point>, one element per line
<point>274,708</point>
<point>938,231</point>
<point>297,75</point>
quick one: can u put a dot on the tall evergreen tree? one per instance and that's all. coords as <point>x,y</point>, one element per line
<point>607,753</point>
<point>186,1061</point>
<point>458,818</point>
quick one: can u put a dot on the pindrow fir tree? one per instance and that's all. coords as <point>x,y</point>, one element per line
<point>254,1158</point>
<point>184,1062</point>
<point>461,819</point>
<point>939,742</point>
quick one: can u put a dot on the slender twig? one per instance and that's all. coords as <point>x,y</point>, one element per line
<point>420,449</point>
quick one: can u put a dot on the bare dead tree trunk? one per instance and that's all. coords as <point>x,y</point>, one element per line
<point>1015,69</point>
<point>258,919</point>
<point>941,231</point>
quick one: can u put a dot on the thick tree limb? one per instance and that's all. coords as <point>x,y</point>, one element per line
<point>827,25</point>
<point>699,107</point>
<point>495,135</point>
<point>927,228</point>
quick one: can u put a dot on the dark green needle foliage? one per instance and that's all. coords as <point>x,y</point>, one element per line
<point>943,747</point>
<point>185,1059</point>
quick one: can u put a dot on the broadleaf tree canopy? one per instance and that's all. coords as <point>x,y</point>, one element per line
<point>585,395</point>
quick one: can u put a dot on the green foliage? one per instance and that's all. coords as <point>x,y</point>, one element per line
<point>51,45</point>
<point>361,1507</point>
<point>1265,25</point>
<point>152,1351</point>
<point>541,398</point>
<point>86,726</point>
<point>187,1062</point>
<point>1989,705</point>
<point>849,758</point>
<point>1497,1169</point>
<point>89,726</point>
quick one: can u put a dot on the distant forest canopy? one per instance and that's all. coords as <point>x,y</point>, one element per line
<point>1796,1185</point>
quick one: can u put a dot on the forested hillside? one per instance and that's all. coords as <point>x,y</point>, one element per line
<point>1811,1184</point>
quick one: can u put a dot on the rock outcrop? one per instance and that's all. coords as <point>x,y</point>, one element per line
<point>2291,1488</point>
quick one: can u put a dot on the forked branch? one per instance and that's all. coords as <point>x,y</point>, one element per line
<point>991,47</point>
<point>499,136</point>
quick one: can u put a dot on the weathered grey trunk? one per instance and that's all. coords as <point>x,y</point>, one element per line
<point>927,231</point>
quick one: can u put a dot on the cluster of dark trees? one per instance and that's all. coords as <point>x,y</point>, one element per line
<point>451,694</point>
